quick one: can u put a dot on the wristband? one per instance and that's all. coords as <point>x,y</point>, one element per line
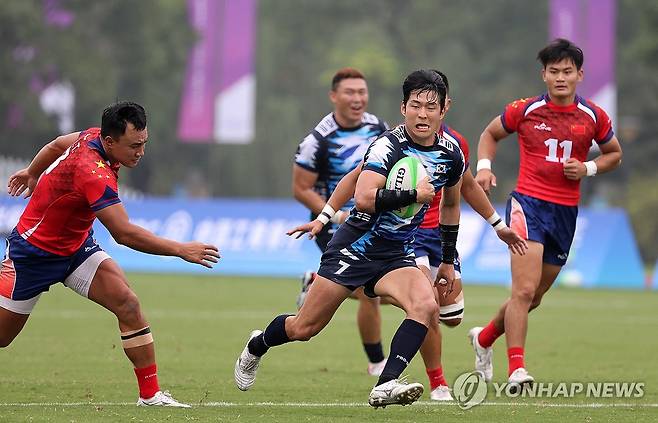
<point>448,242</point>
<point>497,222</point>
<point>591,167</point>
<point>483,164</point>
<point>326,214</point>
<point>392,199</point>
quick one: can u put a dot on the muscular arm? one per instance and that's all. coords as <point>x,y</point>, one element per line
<point>345,189</point>
<point>365,192</point>
<point>302,188</point>
<point>116,220</point>
<point>487,146</point>
<point>475,197</point>
<point>450,204</point>
<point>26,179</point>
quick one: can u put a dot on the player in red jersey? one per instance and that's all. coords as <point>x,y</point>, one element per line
<point>555,133</point>
<point>53,241</point>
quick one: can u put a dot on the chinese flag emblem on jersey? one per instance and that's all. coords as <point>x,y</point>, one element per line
<point>578,129</point>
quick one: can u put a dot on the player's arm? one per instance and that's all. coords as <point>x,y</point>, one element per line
<point>449,228</point>
<point>370,196</point>
<point>478,200</point>
<point>26,179</point>
<point>303,181</point>
<point>609,159</point>
<point>332,209</point>
<point>116,220</point>
<point>487,146</point>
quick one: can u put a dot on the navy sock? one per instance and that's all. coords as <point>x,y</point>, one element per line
<point>275,334</point>
<point>404,345</point>
<point>375,352</point>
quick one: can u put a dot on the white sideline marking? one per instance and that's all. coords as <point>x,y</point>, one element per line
<point>339,404</point>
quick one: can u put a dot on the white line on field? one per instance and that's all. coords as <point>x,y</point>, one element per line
<point>339,404</point>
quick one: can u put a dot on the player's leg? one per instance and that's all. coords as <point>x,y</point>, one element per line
<point>369,322</point>
<point>11,324</point>
<point>408,288</point>
<point>321,304</point>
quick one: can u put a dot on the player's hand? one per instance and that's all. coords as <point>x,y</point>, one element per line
<point>574,169</point>
<point>199,253</point>
<point>446,277</point>
<point>311,228</point>
<point>516,244</point>
<point>424,191</point>
<point>21,182</point>
<point>486,179</point>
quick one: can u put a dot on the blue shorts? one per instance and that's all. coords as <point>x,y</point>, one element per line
<point>353,262</point>
<point>427,243</point>
<point>550,224</point>
<point>27,271</point>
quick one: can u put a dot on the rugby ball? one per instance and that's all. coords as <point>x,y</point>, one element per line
<point>404,175</point>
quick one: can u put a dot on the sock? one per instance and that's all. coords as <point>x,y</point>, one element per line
<point>515,357</point>
<point>488,336</point>
<point>147,379</point>
<point>404,345</point>
<point>436,378</point>
<point>275,334</point>
<point>375,352</point>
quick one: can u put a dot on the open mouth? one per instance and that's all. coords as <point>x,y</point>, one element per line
<point>422,126</point>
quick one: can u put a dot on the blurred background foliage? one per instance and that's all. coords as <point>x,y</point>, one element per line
<point>137,50</point>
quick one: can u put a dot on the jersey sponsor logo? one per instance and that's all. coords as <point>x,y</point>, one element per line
<point>543,127</point>
<point>446,144</point>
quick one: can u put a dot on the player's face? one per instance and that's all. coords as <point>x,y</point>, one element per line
<point>561,79</point>
<point>129,148</point>
<point>422,116</point>
<point>350,101</point>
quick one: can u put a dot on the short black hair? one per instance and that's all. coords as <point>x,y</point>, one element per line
<point>424,81</point>
<point>445,79</point>
<point>117,116</point>
<point>560,49</point>
<point>345,73</point>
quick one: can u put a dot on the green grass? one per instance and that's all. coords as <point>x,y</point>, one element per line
<point>69,353</point>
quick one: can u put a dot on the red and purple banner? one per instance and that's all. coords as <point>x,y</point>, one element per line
<point>218,100</point>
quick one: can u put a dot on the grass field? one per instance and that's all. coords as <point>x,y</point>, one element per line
<point>67,365</point>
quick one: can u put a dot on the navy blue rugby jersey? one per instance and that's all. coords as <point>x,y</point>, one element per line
<point>332,151</point>
<point>443,161</point>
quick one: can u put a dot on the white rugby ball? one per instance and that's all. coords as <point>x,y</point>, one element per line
<point>405,175</point>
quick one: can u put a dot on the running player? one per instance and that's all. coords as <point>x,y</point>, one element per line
<point>555,132</point>
<point>333,148</point>
<point>53,241</point>
<point>373,249</point>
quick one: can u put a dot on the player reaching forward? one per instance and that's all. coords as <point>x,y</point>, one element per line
<point>555,132</point>
<point>77,182</point>
<point>373,248</point>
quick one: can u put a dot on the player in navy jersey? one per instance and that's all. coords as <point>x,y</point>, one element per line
<point>77,183</point>
<point>427,250</point>
<point>333,148</point>
<point>374,250</point>
<point>555,132</point>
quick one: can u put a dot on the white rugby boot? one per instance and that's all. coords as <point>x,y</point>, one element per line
<point>307,280</point>
<point>376,369</point>
<point>161,399</point>
<point>519,379</point>
<point>483,356</point>
<point>396,391</point>
<point>441,393</point>
<point>246,365</point>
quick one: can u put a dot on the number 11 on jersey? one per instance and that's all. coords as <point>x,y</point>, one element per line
<point>552,144</point>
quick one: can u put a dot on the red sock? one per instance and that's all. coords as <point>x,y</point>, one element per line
<point>515,357</point>
<point>147,379</point>
<point>488,336</point>
<point>436,377</point>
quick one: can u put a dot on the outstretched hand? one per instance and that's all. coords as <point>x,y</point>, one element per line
<point>200,253</point>
<point>516,244</point>
<point>311,228</point>
<point>21,182</point>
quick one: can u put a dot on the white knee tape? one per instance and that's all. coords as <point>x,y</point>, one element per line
<point>452,311</point>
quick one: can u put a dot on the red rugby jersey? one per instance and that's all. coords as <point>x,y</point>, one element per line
<point>61,211</point>
<point>432,215</point>
<point>548,136</point>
